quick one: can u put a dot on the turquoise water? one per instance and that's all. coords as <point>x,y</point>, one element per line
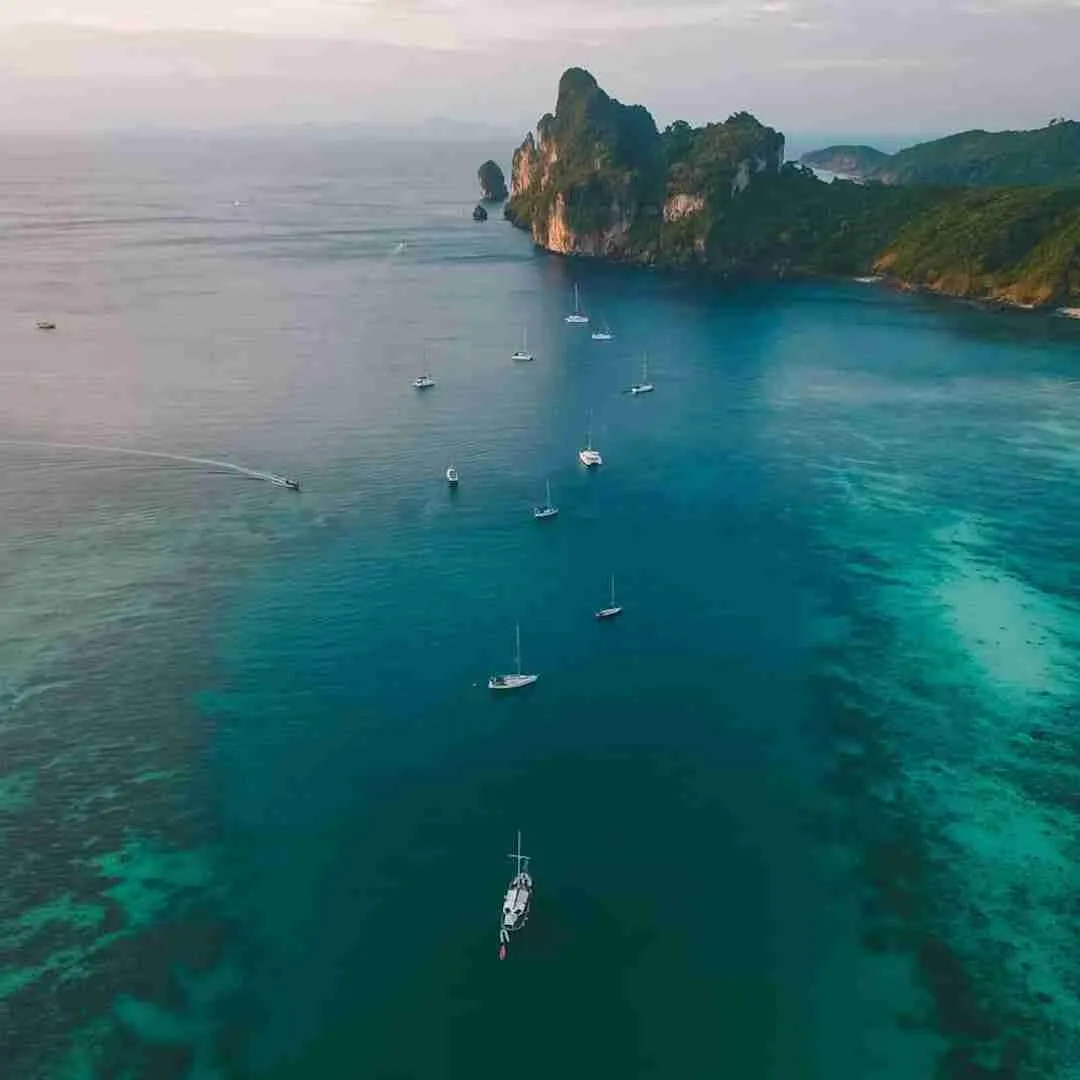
<point>807,810</point>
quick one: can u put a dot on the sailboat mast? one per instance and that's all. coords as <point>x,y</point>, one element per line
<point>517,649</point>
<point>612,590</point>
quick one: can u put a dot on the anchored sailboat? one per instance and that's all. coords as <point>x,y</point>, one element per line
<point>603,334</point>
<point>523,353</point>
<point>643,387</point>
<point>516,679</point>
<point>515,909</point>
<point>548,510</point>
<point>612,609</point>
<point>590,457</point>
<point>577,316</point>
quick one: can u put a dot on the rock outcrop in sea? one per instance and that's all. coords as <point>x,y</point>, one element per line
<point>492,182</point>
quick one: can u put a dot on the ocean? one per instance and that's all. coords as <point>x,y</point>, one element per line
<point>808,809</point>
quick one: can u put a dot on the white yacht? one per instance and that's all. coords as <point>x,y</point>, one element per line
<point>516,679</point>
<point>515,908</point>
<point>46,324</point>
<point>548,510</point>
<point>643,387</point>
<point>603,334</point>
<point>422,382</point>
<point>589,457</point>
<point>612,609</point>
<point>523,353</point>
<point>452,476</point>
<point>577,316</point>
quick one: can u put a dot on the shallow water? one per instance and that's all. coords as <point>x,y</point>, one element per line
<point>807,810</point>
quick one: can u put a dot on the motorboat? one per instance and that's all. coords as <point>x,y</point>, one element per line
<point>46,324</point>
<point>452,476</point>
<point>516,679</point>
<point>517,901</point>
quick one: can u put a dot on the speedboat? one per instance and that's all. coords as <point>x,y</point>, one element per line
<point>452,476</point>
<point>422,382</point>
<point>548,510</point>
<point>292,485</point>
<point>46,324</point>
<point>516,679</point>
<point>516,902</point>
<point>612,609</point>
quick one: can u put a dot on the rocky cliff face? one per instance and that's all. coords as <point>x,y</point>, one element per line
<point>598,179</point>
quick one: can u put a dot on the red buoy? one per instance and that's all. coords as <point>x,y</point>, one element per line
<point>502,952</point>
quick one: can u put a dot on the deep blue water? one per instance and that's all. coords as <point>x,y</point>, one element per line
<point>806,810</point>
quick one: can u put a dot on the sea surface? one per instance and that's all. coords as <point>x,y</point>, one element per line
<point>809,809</point>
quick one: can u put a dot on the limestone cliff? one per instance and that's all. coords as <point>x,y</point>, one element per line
<point>598,179</point>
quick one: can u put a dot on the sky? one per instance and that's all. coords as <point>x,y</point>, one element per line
<point>892,68</point>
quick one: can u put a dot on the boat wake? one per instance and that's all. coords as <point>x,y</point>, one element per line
<point>128,451</point>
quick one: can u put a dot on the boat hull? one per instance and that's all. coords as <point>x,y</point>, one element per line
<point>609,612</point>
<point>577,320</point>
<point>590,459</point>
<point>544,513</point>
<point>524,356</point>
<point>642,388</point>
<point>511,682</point>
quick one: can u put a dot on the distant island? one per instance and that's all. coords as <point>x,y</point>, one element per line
<point>598,179</point>
<point>1049,155</point>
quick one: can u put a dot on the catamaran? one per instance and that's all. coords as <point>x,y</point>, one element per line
<point>516,679</point>
<point>577,316</point>
<point>515,909</point>
<point>548,510</point>
<point>523,353</point>
<point>643,387</point>
<point>590,457</point>
<point>612,609</point>
<point>452,476</point>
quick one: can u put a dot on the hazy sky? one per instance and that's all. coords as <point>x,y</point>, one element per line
<point>828,66</point>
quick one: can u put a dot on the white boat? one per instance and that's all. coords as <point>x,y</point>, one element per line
<point>612,609</point>
<point>46,324</point>
<point>1067,312</point>
<point>516,679</point>
<point>516,902</point>
<point>452,476</point>
<point>523,353</point>
<point>577,316</point>
<point>548,510</point>
<point>285,482</point>
<point>643,387</point>
<point>422,382</point>
<point>870,279</point>
<point>589,457</point>
<point>603,334</point>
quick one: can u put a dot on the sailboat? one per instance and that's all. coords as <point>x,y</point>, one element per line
<point>612,609</point>
<point>516,679</point>
<point>548,510</point>
<point>523,353</point>
<point>515,908</point>
<point>590,457</point>
<point>603,334</point>
<point>643,387</point>
<point>423,382</point>
<point>577,316</point>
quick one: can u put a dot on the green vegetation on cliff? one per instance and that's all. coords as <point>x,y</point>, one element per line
<point>1049,155</point>
<point>1020,245</point>
<point>598,179</point>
